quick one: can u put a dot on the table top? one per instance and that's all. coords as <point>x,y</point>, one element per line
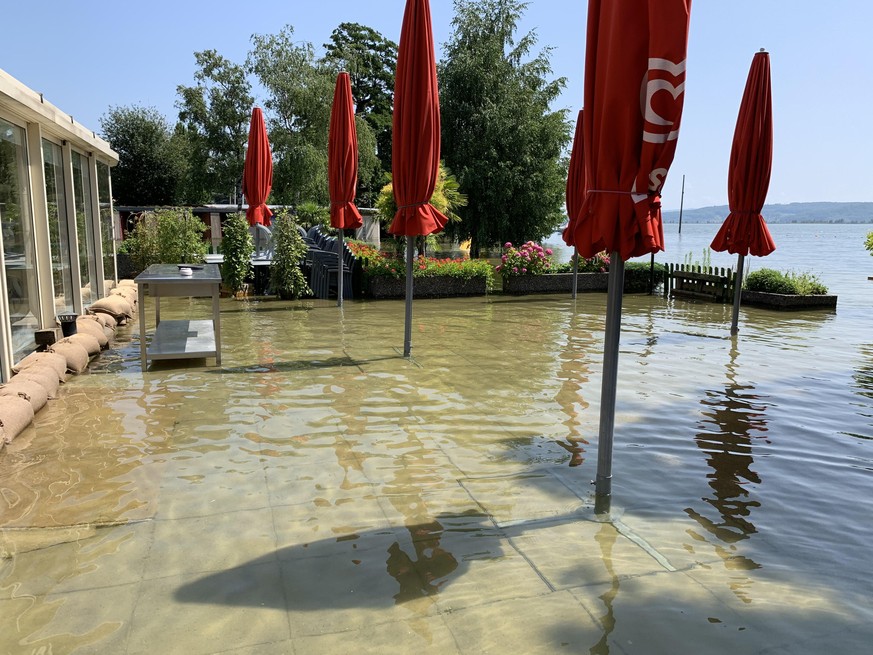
<point>169,273</point>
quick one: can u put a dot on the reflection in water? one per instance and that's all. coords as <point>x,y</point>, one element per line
<point>733,418</point>
<point>605,538</point>
<point>863,378</point>
<point>574,374</point>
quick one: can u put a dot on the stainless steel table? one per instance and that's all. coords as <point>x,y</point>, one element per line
<point>180,339</point>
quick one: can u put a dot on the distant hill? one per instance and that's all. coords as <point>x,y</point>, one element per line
<point>795,212</point>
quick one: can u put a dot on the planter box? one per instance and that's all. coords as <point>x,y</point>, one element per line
<point>787,301</point>
<point>424,287</point>
<point>555,283</point>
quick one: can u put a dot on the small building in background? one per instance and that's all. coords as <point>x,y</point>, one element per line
<point>56,218</point>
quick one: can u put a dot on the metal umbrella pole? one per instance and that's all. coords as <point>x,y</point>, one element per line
<point>738,292</point>
<point>407,338</point>
<point>340,266</point>
<point>575,270</point>
<point>603,483</point>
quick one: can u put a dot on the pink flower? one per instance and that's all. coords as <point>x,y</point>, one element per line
<point>548,251</point>
<point>503,259</point>
<point>524,270</point>
<point>515,269</point>
<point>508,244</point>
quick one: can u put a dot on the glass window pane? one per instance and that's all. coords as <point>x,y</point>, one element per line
<point>18,246</point>
<point>105,202</point>
<point>85,227</point>
<point>59,231</point>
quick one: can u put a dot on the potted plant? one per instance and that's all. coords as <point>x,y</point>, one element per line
<point>530,269</point>
<point>237,247</point>
<point>776,290</point>
<point>165,236</point>
<point>289,250</point>
<point>385,275</point>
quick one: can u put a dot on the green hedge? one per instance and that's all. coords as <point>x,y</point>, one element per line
<point>768,280</point>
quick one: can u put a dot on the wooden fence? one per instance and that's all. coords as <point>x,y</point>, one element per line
<point>698,282</point>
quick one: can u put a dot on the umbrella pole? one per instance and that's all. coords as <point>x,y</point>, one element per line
<point>603,483</point>
<point>339,275</point>
<point>738,292</point>
<point>407,339</point>
<point>575,270</point>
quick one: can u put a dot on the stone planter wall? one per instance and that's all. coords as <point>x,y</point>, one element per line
<point>787,301</point>
<point>555,283</point>
<point>423,287</point>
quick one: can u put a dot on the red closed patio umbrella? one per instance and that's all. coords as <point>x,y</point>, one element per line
<point>342,168</point>
<point>634,92</point>
<point>575,193</point>
<point>744,231</point>
<point>258,171</point>
<point>416,140</point>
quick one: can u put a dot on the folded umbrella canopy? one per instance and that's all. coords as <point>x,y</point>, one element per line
<point>744,231</point>
<point>416,140</point>
<point>258,171</point>
<point>634,92</point>
<point>575,193</point>
<point>342,169</point>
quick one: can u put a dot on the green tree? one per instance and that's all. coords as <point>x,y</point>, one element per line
<point>499,134</point>
<point>370,60</point>
<point>215,114</point>
<point>300,88</point>
<point>149,167</point>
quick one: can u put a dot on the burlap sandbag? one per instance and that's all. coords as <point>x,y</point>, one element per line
<point>44,376</point>
<point>54,361</point>
<point>15,414</point>
<point>105,320</point>
<point>91,327</point>
<point>127,283</point>
<point>75,354</point>
<point>32,391</point>
<point>88,341</point>
<point>116,306</point>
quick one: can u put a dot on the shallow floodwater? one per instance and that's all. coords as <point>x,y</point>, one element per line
<point>318,493</point>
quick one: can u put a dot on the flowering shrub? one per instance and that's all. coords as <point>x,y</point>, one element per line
<point>528,259</point>
<point>532,259</point>
<point>597,264</point>
<point>375,262</point>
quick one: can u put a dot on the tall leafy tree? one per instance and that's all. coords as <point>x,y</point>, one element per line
<point>215,115</point>
<point>499,135</point>
<point>370,60</point>
<point>300,88</point>
<point>150,168</point>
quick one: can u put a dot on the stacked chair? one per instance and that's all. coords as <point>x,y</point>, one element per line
<point>323,267</point>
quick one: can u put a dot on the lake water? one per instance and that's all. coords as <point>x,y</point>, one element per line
<point>318,493</point>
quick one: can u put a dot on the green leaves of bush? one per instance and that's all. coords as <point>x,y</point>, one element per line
<point>768,280</point>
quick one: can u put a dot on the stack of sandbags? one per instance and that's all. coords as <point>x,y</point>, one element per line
<point>36,379</point>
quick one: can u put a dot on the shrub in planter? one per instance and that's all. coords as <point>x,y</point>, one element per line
<point>378,264</point>
<point>767,280</point>
<point>289,249</point>
<point>237,247</point>
<point>166,236</point>
<point>311,213</point>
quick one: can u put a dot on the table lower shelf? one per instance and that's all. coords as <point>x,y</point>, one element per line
<point>183,340</point>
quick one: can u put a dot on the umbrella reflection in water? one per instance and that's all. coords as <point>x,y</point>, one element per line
<point>734,418</point>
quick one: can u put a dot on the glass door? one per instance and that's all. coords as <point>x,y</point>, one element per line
<point>59,231</point>
<point>85,227</point>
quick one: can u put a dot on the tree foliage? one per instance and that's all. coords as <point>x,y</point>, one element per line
<point>370,60</point>
<point>300,88</point>
<point>150,166</point>
<point>215,115</point>
<point>499,135</point>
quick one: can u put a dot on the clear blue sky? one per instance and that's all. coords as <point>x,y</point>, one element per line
<point>89,55</point>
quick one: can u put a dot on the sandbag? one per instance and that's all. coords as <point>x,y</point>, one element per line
<point>15,414</point>
<point>54,361</point>
<point>116,306</point>
<point>32,391</point>
<point>75,354</point>
<point>44,376</point>
<point>89,326</point>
